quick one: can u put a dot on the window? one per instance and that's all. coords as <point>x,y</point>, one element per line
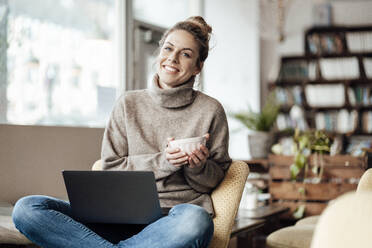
<point>167,12</point>
<point>58,66</point>
<point>59,59</point>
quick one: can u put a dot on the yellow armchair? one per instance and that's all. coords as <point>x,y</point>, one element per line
<point>226,198</point>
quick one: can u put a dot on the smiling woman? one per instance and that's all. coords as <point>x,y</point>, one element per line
<point>183,50</point>
<point>178,59</point>
<point>137,137</point>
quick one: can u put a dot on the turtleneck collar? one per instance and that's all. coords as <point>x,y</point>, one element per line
<point>173,97</point>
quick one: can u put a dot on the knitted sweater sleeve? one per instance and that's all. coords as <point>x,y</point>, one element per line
<point>114,153</point>
<point>205,178</point>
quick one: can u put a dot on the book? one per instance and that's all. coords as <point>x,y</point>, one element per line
<point>328,43</point>
<point>320,121</point>
<point>351,96</point>
<point>359,41</point>
<point>343,125</point>
<point>293,70</point>
<point>312,70</point>
<point>297,95</point>
<point>359,95</point>
<point>367,63</point>
<point>357,144</point>
<point>367,122</point>
<point>318,95</point>
<point>339,68</point>
<point>342,121</point>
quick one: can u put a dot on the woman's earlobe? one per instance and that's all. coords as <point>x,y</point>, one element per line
<point>200,67</point>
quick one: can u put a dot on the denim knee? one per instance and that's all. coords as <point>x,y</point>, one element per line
<point>195,223</point>
<point>23,211</point>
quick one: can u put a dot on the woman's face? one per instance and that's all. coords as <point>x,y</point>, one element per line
<point>177,60</point>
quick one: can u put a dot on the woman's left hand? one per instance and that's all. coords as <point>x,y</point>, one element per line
<point>198,157</point>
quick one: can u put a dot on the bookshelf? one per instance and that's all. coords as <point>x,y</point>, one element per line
<point>331,82</point>
<point>331,85</point>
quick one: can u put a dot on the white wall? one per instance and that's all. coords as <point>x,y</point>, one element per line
<point>300,17</point>
<point>231,72</point>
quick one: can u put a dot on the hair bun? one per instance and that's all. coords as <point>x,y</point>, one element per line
<point>198,20</point>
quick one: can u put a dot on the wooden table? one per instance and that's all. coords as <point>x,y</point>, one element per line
<point>264,212</point>
<point>246,225</point>
<point>257,165</point>
<point>247,222</point>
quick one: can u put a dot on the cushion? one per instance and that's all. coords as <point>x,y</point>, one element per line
<point>311,220</point>
<point>291,237</point>
<point>8,232</point>
<point>365,183</point>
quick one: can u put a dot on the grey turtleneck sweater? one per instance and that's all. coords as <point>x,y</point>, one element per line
<point>136,137</point>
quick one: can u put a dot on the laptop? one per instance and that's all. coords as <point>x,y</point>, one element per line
<point>113,197</point>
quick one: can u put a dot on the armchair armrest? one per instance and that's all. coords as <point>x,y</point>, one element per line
<point>226,198</point>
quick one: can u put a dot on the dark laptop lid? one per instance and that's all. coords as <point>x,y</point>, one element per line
<point>120,197</point>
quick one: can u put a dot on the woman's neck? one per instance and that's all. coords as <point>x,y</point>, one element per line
<point>176,97</point>
<point>165,86</point>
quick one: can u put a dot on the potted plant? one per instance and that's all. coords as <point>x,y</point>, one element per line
<point>312,142</point>
<point>260,123</point>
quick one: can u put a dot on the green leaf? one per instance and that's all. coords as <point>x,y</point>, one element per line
<point>321,148</point>
<point>294,171</point>
<point>302,191</point>
<point>299,212</point>
<point>300,160</point>
<point>303,142</point>
<point>260,121</point>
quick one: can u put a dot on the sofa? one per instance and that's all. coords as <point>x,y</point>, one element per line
<point>9,235</point>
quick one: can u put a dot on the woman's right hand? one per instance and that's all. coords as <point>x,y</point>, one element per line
<point>175,156</point>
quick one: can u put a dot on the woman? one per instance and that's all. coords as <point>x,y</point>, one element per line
<point>136,138</point>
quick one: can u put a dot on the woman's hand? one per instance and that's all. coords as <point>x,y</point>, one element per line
<point>198,157</point>
<point>175,156</point>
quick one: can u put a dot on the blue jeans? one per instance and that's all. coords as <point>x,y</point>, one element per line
<point>47,222</point>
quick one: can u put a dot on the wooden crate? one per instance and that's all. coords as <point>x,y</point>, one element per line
<point>337,160</point>
<point>311,208</point>
<point>330,172</point>
<point>286,190</point>
<point>341,175</point>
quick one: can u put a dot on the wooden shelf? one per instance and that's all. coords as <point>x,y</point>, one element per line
<point>304,70</point>
<point>330,108</point>
<point>310,56</point>
<point>338,29</point>
<point>361,133</point>
<point>287,108</point>
<point>304,82</point>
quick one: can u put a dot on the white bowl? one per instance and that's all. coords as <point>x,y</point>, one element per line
<point>188,145</point>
